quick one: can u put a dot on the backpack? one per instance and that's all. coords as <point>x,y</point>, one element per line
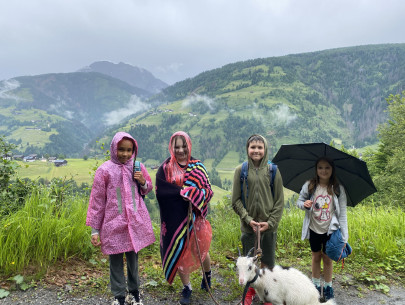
<point>336,249</point>
<point>244,176</point>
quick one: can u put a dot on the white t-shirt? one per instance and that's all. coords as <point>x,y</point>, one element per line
<point>322,210</point>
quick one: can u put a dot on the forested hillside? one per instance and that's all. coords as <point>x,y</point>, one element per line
<point>322,96</point>
<point>314,97</point>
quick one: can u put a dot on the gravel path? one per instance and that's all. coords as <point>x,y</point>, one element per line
<point>45,296</point>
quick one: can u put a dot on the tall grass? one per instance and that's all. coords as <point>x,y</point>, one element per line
<point>44,231</point>
<point>375,232</point>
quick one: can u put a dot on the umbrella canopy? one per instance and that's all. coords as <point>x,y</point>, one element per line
<point>297,164</point>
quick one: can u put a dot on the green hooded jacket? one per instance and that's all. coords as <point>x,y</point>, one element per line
<point>260,204</point>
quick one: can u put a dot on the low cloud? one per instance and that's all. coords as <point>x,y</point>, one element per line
<point>8,85</point>
<point>283,115</point>
<point>195,98</point>
<point>134,105</point>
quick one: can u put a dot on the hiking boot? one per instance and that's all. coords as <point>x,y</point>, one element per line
<point>118,301</point>
<point>203,284</point>
<point>133,298</point>
<point>328,293</point>
<point>249,296</point>
<point>185,296</point>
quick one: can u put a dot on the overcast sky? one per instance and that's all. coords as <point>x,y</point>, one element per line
<point>176,39</point>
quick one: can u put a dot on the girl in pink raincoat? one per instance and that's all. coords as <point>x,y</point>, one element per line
<point>118,216</point>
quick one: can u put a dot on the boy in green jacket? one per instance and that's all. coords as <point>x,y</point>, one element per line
<point>257,207</point>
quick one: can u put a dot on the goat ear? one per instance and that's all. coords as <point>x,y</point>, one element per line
<point>250,251</point>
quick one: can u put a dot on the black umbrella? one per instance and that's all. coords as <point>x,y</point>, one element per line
<point>297,165</point>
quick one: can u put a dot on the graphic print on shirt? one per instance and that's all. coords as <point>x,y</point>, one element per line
<point>322,207</point>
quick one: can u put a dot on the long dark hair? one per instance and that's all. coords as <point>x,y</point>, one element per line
<point>333,182</point>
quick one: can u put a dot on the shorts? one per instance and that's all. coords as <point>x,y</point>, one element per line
<point>267,244</point>
<point>318,241</point>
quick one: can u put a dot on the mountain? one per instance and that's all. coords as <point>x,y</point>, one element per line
<point>136,77</point>
<point>321,96</point>
<point>59,113</point>
<point>336,94</point>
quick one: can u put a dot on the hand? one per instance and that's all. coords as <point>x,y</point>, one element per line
<point>308,204</point>
<point>138,176</point>
<point>254,225</point>
<point>95,240</point>
<point>263,226</point>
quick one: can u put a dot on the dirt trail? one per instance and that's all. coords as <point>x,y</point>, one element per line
<point>44,296</point>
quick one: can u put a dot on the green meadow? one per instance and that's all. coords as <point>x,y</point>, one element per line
<point>81,171</point>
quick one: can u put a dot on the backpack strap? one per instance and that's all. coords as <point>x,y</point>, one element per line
<point>272,173</point>
<point>243,180</point>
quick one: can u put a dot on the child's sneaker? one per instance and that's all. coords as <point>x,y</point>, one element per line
<point>185,296</point>
<point>203,284</point>
<point>319,289</point>
<point>118,301</point>
<point>328,293</point>
<point>133,298</point>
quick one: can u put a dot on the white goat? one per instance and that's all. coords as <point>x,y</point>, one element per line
<point>279,286</point>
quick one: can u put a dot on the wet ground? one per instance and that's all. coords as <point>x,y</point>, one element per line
<point>343,295</point>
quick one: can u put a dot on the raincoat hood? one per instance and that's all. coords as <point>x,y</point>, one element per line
<point>174,173</point>
<point>188,143</point>
<point>114,146</point>
<point>265,157</point>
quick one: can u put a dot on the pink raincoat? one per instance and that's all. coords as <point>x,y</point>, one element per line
<point>116,208</point>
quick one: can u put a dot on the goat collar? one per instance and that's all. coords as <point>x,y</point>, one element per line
<point>248,284</point>
<point>255,278</point>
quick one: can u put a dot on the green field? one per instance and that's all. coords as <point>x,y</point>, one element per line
<point>78,169</point>
<point>81,171</point>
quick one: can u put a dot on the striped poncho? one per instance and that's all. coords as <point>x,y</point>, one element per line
<point>176,253</point>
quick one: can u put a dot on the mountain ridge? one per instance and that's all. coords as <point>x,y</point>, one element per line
<point>337,94</point>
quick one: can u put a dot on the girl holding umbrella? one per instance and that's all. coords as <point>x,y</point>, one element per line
<point>324,201</point>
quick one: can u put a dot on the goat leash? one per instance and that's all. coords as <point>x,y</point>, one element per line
<point>258,252</point>
<point>190,214</point>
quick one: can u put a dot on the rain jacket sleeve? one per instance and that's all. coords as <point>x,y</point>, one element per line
<point>278,206</point>
<point>237,203</point>
<point>96,209</point>
<point>303,196</point>
<point>341,211</point>
<point>149,185</point>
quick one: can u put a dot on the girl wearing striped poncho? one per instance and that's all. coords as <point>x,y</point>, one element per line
<point>182,180</point>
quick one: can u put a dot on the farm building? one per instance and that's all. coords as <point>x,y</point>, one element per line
<point>60,163</point>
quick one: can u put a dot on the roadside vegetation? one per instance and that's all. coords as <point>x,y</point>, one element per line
<point>43,232</point>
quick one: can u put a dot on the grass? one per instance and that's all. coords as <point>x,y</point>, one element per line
<point>50,237</point>
<point>43,231</point>
<point>80,170</point>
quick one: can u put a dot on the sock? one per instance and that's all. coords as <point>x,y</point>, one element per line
<point>327,284</point>
<point>208,274</point>
<point>317,282</point>
<point>189,286</point>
